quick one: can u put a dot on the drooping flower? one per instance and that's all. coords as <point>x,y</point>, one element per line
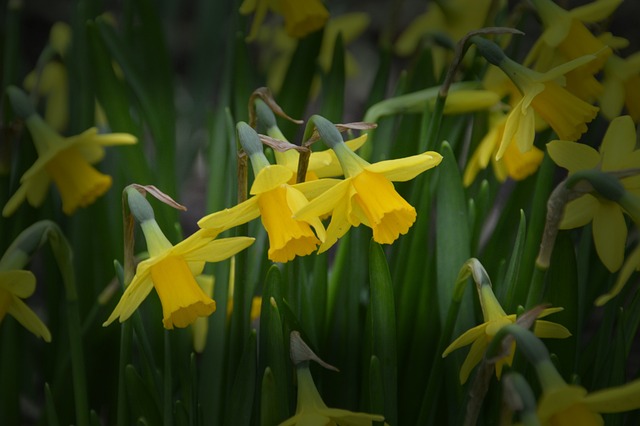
<point>16,285</point>
<point>621,80</point>
<point>514,164</point>
<point>367,194</point>
<point>542,93</point>
<point>65,161</point>
<point>565,37</point>
<point>453,18</point>
<point>171,270</point>
<point>274,200</point>
<point>617,152</point>
<point>310,408</point>
<point>300,17</point>
<point>495,318</point>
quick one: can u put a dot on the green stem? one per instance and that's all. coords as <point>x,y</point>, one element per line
<point>77,358</point>
<point>168,383</point>
<point>126,335</point>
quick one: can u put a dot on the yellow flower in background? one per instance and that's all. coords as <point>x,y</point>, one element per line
<point>171,270</point>
<point>367,196</point>
<point>542,93</point>
<point>65,161</point>
<point>16,285</point>
<point>617,152</point>
<point>565,37</point>
<point>621,80</point>
<point>453,18</point>
<point>514,164</point>
<point>563,404</point>
<point>301,17</point>
<point>495,318</point>
<point>311,409</point>
<point>274,200</point>
<point>200,327</point>
<point>278,48</point>
<point>53,85</point>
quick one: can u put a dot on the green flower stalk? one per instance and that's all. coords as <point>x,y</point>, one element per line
<point>171,270</point>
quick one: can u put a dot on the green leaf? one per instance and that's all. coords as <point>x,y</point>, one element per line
<point>333,85</point>
<point>142,403</point>
<point>383,327</point>
<point>240,399</point>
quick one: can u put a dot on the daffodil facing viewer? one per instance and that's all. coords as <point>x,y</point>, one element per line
<point>171,270</point>
<point>274,200</point>
<point>65,161</point>
<point>495,318</point>
<point>367,194</point>
<point>617,153</point>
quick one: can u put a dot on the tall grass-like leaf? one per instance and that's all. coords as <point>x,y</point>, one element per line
<point>383,328</point>
<point>239,407</point>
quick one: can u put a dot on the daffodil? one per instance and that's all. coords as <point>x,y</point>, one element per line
<point>200,326</point>
<point>65,161</point>
<point>514,164</point>
<point>311,409</point>
<point>301,17</point>
<point>617,152</point>
<point>274,200</point>
<point>367,194</point>
<point>16,285</point>
<point>495,318</point>
<point>565,404</point>
<point>565,37</point>
<point>542,94</point>
<point>453,18</point>
<point>278,48</point>
<point>621,80</point>
<point>171,270</point>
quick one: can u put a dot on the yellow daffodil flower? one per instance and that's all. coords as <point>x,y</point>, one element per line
<point>367,196</point>
<point>564,404</point>
<point>311,409</point>
<point>514,164</point>
<point>542,94</point>
<point>453,18</point>
<point>617,152</point>
<point>566,37</point>
<point>621,81</point>
<point>301,17</point>
<point>274,200</point>
<point>53,85</point>
<point>171,270</point>
<point>16,285</point>
<point>495,318</point>
<point>65,161</point>
<point>278,48</point>
<point>200,326</point>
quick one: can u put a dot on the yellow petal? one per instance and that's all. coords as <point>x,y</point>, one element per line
<point>340,223</point>
<point>325,202</point>
<point>270,177</point>
<point>217,250</point>
<point>133,296</point>
<point>630,265</point>
<point>610,234</point>
<point>403,169</point>
<point>466,338</point>
<point>29,320</point>
<point>573,156</point>
<point>228,218</point>
<point>618,143</point>
<point>579,212</point>
<point>313,189</point>
<point>550,330</point>
<point>511,128</point>
<point>616,399</point>
<point>296,201</point>
<point>595,11</point>
<point>475,355</point>
<point>18,282</point>
<point>558,399</point>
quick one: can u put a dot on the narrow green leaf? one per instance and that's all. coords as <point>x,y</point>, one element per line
<point>50,407</point>
<point>141,402</point>
<point>383,327</point>
<point>376,388</point>
<point>240,400</point>
<point>333,85</point>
